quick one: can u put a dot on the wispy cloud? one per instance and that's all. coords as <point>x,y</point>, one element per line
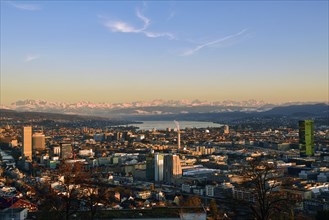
<point>31,57</point>
<point>124,27</point>
<point>214,43</point>
<point>26,7</point>
<point>157,34</point>
<point>143,18</point>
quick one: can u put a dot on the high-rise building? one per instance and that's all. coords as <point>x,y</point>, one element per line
<point>306,137</point>
<point>167,174</point>
<point>27,142</point>
<point>150,168</point>
<point>172,168</point>
<point>118,136</point>
<point>158,167</point>
<point>38,141</point>
<point>226,129</point>
<point>66,151</point>
<point>56,150</point>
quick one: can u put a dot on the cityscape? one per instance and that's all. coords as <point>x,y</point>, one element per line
<point>173,110</point>
<point>83,169</point>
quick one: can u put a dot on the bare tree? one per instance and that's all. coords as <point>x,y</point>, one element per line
<point>214,212</point>
<point>64,201</point>
<point>193,201</point>
<point>74,175</point>
<point>96,196</point>
<point>79,188</point>
<point>49,203</point>
<point>264,180</point>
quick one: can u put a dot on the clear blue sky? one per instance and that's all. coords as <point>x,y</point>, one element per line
<point>275,51</point>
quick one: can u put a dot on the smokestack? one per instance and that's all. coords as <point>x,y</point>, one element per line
<point>178,134</point>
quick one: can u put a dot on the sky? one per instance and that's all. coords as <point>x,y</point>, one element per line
<point>124,51</point>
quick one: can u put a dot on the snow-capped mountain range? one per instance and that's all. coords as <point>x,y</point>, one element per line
<point>157,102</point>
<point>155,107</point>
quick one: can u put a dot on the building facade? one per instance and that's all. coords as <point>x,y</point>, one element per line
<point>27,142</point>
<point>306,137</point>
<point>38,141</point>
<point>66,151</point>
<point>158,167</point>
<point>172,168</point>
<point>150,167</point>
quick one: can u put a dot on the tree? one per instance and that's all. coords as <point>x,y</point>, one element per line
<point>51,206</point>
<point>94,193</point>
<point>264,180</point>
<point>64,201</point>
<point>213,209</point>
<point>79,189</point>
<point>124,191</point>
<point>74,175</point>
<point>193,201</point>
<point>321,215</point>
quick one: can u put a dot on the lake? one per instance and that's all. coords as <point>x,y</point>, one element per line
<point>162,125</point>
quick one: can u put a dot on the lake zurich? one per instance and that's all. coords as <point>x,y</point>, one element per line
<point>162,125</point>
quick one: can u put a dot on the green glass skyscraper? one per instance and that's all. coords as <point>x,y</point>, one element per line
<point>306,137</point>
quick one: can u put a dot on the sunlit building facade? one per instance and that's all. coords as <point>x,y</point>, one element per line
<point>38,141</point>
<point>306,137</point>
<point>158,167</point>
<point>27,142</point>
<point>172,168</point>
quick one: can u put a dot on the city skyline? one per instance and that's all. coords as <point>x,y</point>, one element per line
<point>140,51</point>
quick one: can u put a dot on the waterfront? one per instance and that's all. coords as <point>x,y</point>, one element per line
<point>162,125</point>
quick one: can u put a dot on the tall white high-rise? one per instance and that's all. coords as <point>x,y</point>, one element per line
<point>27,142</point>
<point>158,167</point>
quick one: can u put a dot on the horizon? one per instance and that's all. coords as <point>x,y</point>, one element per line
<point>125,52</point>
<point>164,103</point>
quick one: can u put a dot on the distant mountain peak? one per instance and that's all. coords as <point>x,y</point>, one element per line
<point>154,107</point>
<point>155,102</point>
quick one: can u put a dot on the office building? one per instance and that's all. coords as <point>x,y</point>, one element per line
<point>55,150</point>
<point>306,137</point>
<point>226,129</point>
<point>38,141</point>
<point>158,167</point>
<point>172,168</point>
<point>99,137</point>
<point>66,151</point>
<point>118,136</point>
<point>27,143</point>
<point>210,190</point>
<point>150,168</point>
